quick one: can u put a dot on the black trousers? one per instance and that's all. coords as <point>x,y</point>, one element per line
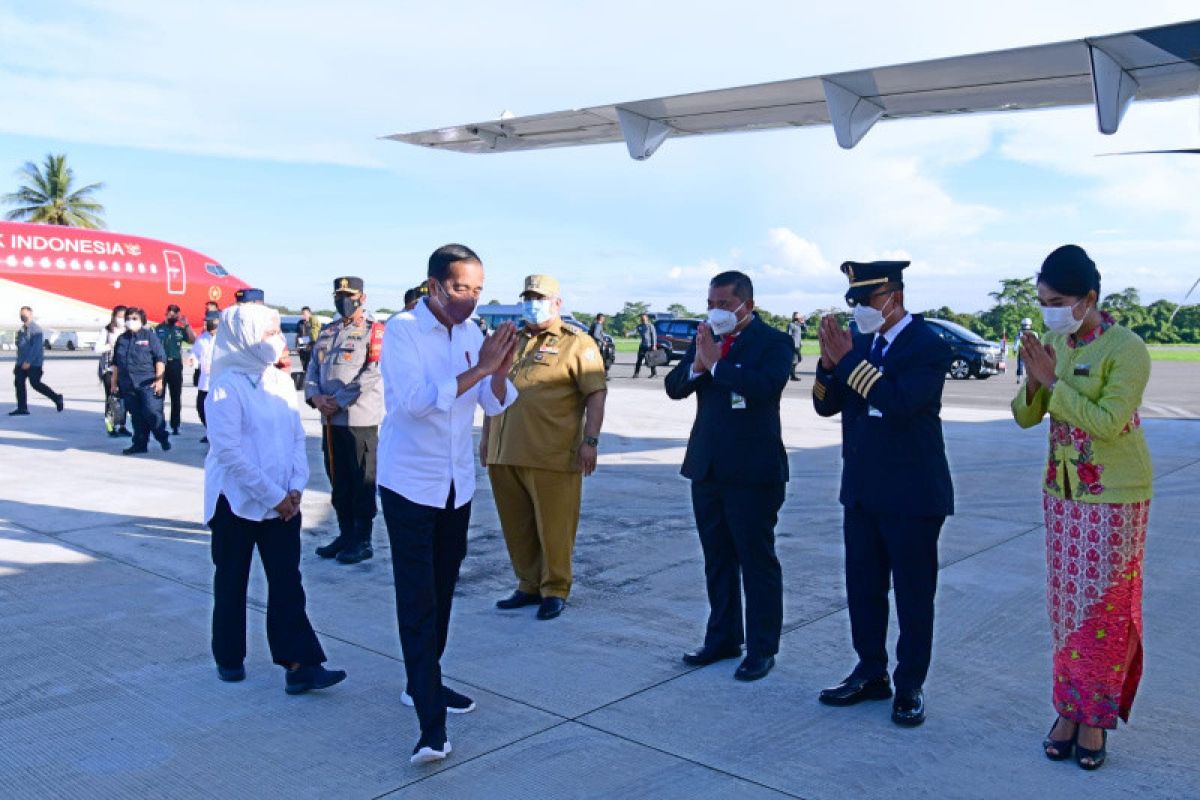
<point>428,547</point>
<point>173,381</point>
<point>200,395</point>
<point>641,357</point>
<point>350,464</point>
<point>106,382</point>
<point>145,409</point>
<point>796,359</point>
<point>737,534</point>
<point>884,548</point>
<point>34,376</point>
<point>289,633</point>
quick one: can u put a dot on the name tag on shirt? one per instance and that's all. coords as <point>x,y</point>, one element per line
<point>1083,370</point>
<point>872,411</point>
<point>736,401</point>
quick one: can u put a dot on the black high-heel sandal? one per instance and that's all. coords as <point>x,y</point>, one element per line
<point>1095,756</point>
<point>1062,749</point>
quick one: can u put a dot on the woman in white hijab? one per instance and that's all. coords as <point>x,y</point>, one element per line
<point>254,475</point>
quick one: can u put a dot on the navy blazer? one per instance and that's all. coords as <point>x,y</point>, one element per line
<point>893,459</point>
<point>738,445</point>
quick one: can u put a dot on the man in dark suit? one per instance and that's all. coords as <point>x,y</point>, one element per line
<point>739,470</point>
<point>887,384</point>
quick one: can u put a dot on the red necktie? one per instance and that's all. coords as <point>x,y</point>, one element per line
<point>726,344</point>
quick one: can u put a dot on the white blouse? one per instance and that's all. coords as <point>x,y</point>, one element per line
<point>202,355</point>
<point>256,444</point>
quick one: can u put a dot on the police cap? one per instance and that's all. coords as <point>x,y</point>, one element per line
<point>249,296</point>
<point>867,276</point>
<point>212,316</point>
<point>347,284</point>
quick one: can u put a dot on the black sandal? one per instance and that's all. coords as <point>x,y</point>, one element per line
<point>1095,756</point>
<point>1062,749</point>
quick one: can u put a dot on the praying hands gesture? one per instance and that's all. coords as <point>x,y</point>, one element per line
<point>708,352</point>
<point>1040,359</point>
<point>835,341</point>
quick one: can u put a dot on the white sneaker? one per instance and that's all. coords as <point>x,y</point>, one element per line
<point>455,703</point>
<point>425,754</point>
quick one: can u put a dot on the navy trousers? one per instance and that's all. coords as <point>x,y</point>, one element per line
<point>882,549</point>
<point>145,409</point>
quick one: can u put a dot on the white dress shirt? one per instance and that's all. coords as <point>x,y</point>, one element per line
<point>425,442</point>
<point>256,444</point>
<point>892,333</point>
<point>202,353</point>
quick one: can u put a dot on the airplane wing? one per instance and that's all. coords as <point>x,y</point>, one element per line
<point>1108,72</point>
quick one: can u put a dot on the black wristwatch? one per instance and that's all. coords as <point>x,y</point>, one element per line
<point>591,441</point>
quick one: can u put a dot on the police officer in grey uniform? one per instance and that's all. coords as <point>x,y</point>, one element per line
<point>343,383</point>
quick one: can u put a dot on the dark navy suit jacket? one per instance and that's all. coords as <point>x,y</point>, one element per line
<point>893,460</point>
<point>738,445</point>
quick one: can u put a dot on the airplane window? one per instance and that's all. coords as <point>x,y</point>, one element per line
<point>216,269</point>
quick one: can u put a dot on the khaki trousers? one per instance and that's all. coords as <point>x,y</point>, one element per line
<point>539,513</point>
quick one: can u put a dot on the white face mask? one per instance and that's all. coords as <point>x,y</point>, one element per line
<point>1061,319</point>
<point>134,325</point>
<point>271,350</point>
<point>537,312</point>
<point>723,322</point>
<point>119,324</point>
<point>869,319</point>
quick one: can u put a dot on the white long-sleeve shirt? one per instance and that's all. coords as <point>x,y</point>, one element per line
<point>256,453</point>
<point>425,442</point>
<point>202,353</point>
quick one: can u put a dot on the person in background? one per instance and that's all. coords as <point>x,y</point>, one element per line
<point>1027,332</point>
<point>307,331</point>
<point>342,383</point>
<point>31,354</point>
<point>647,341</point>
<point>202,354</point>
<point>137,373</point>
<point>738,469</point>
<point>795,329</point>
<point>1089,377</point>
<point>173,333</point>
<point>105,343</point>
<point>437,367</point>
<point>411,297</point>
<point>596,329</point>
<point>254,478</point>
<point>538,452</point>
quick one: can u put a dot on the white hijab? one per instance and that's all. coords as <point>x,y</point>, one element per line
<point>239,346</point>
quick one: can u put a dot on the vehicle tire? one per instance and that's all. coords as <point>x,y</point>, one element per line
<point>70,345</point>
<point>46,345</point>
<point>960,369</point>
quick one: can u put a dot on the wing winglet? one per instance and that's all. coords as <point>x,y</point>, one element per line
<point>850,114</point>
<point>642,134</point>
<point>1113,89</point>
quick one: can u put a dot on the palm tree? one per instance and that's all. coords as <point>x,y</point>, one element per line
<point>45,195</point>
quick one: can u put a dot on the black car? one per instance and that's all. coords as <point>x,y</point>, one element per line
<point>973,355</point>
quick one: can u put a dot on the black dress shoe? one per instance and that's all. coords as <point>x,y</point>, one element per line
<point>18,412</point>
<point>58,402</point>
<point>519,599</point>
<point>231,674</point>
<point>333,548</point>
<point>313,676</point>
<point>908,709</point>
<point>551,607</point>
<point>359,551</point>
<point>754,668</point>
<point>710,655</point>
<point>132,451</point>
<point>165,443</point>
<point>855,689</point>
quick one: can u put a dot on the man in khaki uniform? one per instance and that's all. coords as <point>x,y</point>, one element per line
<point>538,451</point>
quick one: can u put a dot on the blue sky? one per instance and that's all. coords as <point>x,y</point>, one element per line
<point>248,131</point>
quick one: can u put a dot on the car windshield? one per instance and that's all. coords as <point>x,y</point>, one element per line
<point>960,331</point>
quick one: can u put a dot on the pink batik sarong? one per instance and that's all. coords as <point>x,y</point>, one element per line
<point>1094,592</point>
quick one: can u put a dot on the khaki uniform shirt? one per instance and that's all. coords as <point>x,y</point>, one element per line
<point>554,373</point>
<point>345,364</point>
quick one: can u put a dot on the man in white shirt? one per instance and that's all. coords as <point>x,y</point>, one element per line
<point>202,353</point>
<point>437,367</point>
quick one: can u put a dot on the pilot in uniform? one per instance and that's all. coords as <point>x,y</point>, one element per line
<point>887,383</point>
<point>138,365</point>
<point>343,383</point>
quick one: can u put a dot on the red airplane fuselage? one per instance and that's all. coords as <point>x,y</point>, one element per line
<point>72,277</point>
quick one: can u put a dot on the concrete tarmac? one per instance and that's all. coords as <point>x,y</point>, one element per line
<point>107,687</point>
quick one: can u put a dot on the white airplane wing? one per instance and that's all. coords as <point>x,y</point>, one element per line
<point>1107,71</point>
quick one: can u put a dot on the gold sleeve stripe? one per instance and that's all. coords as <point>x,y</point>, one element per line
<point>856,373</point>
<point>867,376</point>
<point>819,391</point>
<point>870,384</point>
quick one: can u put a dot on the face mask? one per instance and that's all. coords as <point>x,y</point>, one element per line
<point>171,319</point>
<point>24,320</point>
<point>869,319</point>
<point>211,327</point>
<point>271,350</point>
<point>537,312</point>
<point>134,324</point>
<point>346,306</point>
<point>723,322</point>
<point>119,324</point>
<point>457,310</point>
<point>1061,320</point>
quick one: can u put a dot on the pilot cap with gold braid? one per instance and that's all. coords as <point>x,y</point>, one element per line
<point>867,276</point>
<point>347,283</point>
